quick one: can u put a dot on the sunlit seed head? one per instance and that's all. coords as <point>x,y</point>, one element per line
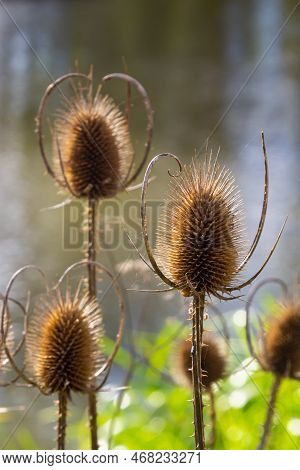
<point>63,350</point>
<point>282,341</point>
<point>213,361</point>
<point>95,147</point>
<point>200,242</point>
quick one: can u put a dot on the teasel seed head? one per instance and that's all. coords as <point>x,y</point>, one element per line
<point>200,240</point>
<point>213,361</point>
<point>91,137</point>
<point>63,346</point>
<point>282,342</point>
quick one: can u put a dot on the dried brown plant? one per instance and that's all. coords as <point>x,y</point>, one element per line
<point>279,351</point>
<point>63,342</point>
<point>93,158</point>
<point>200,247</point>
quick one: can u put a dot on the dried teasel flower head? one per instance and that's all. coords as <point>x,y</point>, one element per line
<point>280,334</point>
<point>94,144</point>
<point>92,151</point>
<point>63,350</point>
<point>278,350</point>
<point>63,340</point>
<point>200,246</point>
<point>200,240</point>
<point>213,361</point>
<point>282,342</point>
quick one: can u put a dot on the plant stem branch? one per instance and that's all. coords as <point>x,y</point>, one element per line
<point>213,418</point>
<point>62,419</point>
<point>270,412</point>
<point>198,317</point>
<point>93,420</point>
<point>91,246</point>
<point>91,256</point>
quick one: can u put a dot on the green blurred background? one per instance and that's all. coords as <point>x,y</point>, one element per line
<point>217,70</point>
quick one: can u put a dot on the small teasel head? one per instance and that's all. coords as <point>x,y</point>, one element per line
<point>63,345</point>
<point>213,361</point>
<point>281,351</point>
<point>200,238</point>
<point>278,350</point>
<point>92,150</point>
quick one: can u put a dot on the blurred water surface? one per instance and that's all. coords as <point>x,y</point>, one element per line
<point>214,69</point>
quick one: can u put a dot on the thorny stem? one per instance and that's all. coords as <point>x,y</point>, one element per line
<point>91,248</point>
<point>213,418</point>
<point>91,256</point>
<point>93,420</point>
<point>198,317</point>
<point>270,412</point>
<point>62,419</point>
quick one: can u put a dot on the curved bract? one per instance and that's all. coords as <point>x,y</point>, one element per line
<point>248,310</point>
<point>149,112</point>
<point>144,218</point>
<point>7,320</point>
<point>41,110</point>
<point>264,208</point>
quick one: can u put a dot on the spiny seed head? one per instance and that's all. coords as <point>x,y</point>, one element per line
<point>63,344</point>
<point>200,240</point>
<point>95,147</point>
<point>282,342</point>
<point>213,361</point>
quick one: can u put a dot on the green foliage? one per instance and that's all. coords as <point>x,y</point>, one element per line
<point>157,414</point>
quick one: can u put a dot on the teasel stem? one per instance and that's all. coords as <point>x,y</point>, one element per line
<point>91,247</point>
<point>91,256</point>
<point>62,419</point>
<point>270,412</point>
<point>198,317</point>
<point>213,418</point>
<point>93,420</point>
